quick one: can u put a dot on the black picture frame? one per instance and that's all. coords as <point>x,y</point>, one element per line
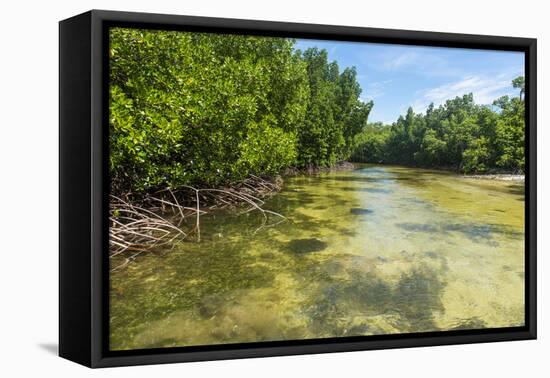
<point>83,182</point>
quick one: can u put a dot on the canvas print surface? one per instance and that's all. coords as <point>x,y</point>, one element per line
<point>267,189</point>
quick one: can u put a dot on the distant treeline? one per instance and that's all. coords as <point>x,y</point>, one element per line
<point>459,134</point>
<point>207,110</point>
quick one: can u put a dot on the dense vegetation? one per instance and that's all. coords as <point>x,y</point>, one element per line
<point>207,110</point>
<point>458,135</point>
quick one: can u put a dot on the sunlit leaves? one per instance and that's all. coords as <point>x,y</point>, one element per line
<point>192,108</point>
<point>210,109</point>
<point>458,134</point>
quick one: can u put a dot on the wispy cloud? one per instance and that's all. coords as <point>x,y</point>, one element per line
<point>420,61</point>
<point>406,59</point>
<point>375,90</point>
<point>398,76</point>
<point>484,88</point>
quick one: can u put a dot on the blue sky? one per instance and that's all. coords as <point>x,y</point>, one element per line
<point>396,76</point>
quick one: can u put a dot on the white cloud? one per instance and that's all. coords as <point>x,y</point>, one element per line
<point>420,61</point>
<point>405,59</point>
<point>484,88</point>
<point>375,90</point>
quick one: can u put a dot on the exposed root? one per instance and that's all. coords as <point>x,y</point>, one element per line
<point>314,170</point>
<point>139,223</point>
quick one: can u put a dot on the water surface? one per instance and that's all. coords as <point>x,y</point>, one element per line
<point>376,250</point>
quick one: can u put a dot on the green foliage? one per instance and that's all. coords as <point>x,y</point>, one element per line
<point>510,135</point>
<point>432,149</point>
<point>458,134</point>
<point>335,114</point>
<point>370,144</point>
<point>476,157</point>
<point>209,109</point>
<point>519,82</point>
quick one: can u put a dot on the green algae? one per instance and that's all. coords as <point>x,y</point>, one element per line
<point>435,251</point>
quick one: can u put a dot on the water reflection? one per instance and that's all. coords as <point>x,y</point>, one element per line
<point>306,245</point>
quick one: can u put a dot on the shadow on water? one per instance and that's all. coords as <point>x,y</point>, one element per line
<point>414,181</point>
<point>347,232</point>
<point>368,190</point>
<point>379,306</point>
<point>476,232</point>
<point>320,207</point>
<point>360,179</point>
<point>517,189</point>
<point>303,246</point>
<point>417,297</point>
<point>360,211</point>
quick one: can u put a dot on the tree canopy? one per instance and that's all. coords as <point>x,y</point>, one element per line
<point>208,109</point>
<point>458,134</point>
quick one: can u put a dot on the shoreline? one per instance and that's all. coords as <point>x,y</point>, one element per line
<point>498,177</point>
<point>312,170</point>
<point>503,176</point>
<point>141,222</point>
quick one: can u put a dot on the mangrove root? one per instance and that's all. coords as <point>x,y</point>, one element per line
<point>139,223</point>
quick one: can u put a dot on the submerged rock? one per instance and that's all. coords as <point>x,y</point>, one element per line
<point>302,246</point>
<point>360,211</point>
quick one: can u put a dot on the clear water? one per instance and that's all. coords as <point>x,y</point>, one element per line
<point>376,250</point>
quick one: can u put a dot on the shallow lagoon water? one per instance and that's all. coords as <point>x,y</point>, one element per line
<point>375,250</point>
